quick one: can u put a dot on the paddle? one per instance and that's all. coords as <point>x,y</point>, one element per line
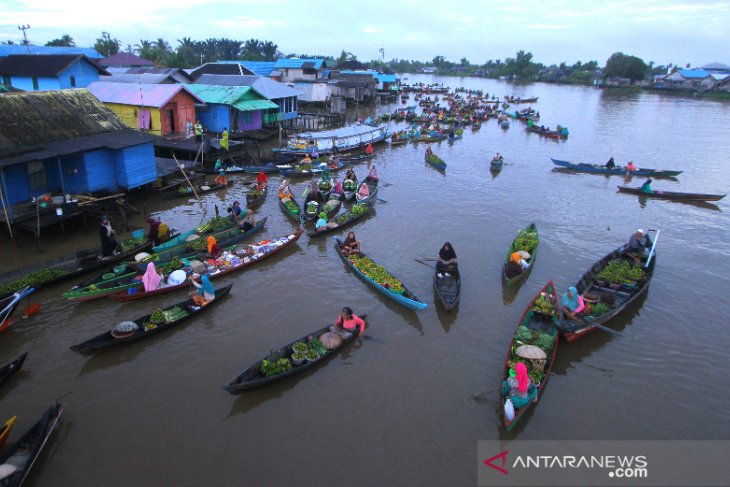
<point>651,252</point>
<point>381,200</point>
<point>560,326</point>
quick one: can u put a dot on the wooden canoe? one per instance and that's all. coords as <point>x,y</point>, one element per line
<point>448,288</point>
<point>252,378</point>
<point>349,194</point>
<point>512,248</point>
<point>293,213</point>
<point>537,323</point>
<point>253,200</point>
<point>203,229</point>
<point>349,221</point>
<point>671,195</point>
<point>373,190</point>
<point>407,299</point>
<point>8,370</point>
<point>221,234</point>
<point>435,161</point>
<point>616,171</point>
<point>63,269</point>
<point>271,247</point>
<point>616,299</point>
<point>108,340</point>
<point>202,188</point>
<point>23,454</point>
<point>551,134</point>
<point>10,304</point>
<point>495,165</point>
<point>5,430</point>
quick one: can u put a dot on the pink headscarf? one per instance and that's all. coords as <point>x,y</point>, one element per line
<point>522,379</point>
<point>151,278</point>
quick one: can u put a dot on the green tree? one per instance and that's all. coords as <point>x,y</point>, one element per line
<point>145,49</point>
<point>63,41</point>
<point>624,66</point>
<point>439,61</point>
<point>269,51</point>
<point>106,46</point>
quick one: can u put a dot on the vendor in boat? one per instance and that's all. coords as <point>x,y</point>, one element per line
<point>638,245</point>
<point>248,222</point>
<point>348,322</point>
<point>262,180</point>
<point>610,164</point>
<point>205,291</point>
<point>630,168</point>
<point>284,190</point>
<point>307,159</point>
<point>234,212</point>
<point>646,187</point>
<point>372,172</point>
<point>151,280</point>
<point>350,246</point>
<point>429,152</point>
<point>518,387</point>
<point>498,157</point>
<point>337,188</point>
<point>517,265</point>
<point>369,150</point>
<point>220,179</point>
<point>350,174</point>
<point>321,222</point>
<point>213,248</point>
<point>574,306</point>
<point>153,234</point>
<point>108,238</point>
<point>364,191</point>
<point>447,261</point>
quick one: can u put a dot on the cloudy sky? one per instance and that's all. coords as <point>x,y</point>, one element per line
<point>663,31</point>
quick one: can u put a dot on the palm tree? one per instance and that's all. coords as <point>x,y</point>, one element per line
<point>63,41</point>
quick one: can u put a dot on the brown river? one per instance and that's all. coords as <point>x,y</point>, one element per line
<point>407,405</point>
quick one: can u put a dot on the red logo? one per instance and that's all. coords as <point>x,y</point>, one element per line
<point>503,456</point>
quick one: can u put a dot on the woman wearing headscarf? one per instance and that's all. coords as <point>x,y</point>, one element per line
<point>108,237</point>
<point>151,279</point>
<point>447,261</point>
<point>261,179</point>
<point>213,248</point>
<point>348,322</point>
<point>337,189</point>
<point>205,290</point>
<point>518,387</point>
<point>574,305</point>
<point>350,246</point>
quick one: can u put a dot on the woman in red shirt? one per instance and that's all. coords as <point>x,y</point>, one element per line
<point>349,322</point>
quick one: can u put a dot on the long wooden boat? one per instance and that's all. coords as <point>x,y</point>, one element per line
<point>291,207</point>
<point>353,159</point>
<point>253,199</point>
<point>340,139</point>
<point>64,268</point>
<point>448,288</point>
<point>537,325</point>
<point>373,190</point>
<point>201,188</point>
<point>8,370</point>
<point>268,168</point>
<point>524,100</point>
<point>434,138</point>
<point>213,225</point>
<point>253,378</point>
<point>671,195</point>
<point>435,161</point>
<point>515,246</point>
<point>351,218</point>
<point>616,299</point>
<point>10,304</point>
<point>183,311</point>
<point>250,255</point>
<point>23,454</point>
<point>496,165</point>
<point>300,171</point>
<point>227,235</point>
<point>407,298</point>
<point>399,142</point>
<point>617,171</point>
<point>551,134</point>
<point>5,430</point>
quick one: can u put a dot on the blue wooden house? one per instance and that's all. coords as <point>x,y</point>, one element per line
<point>30,72</point>
<point>238,108</point>
<point>67,141</point>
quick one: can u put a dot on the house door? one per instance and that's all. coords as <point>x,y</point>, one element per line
<point>171,118</point>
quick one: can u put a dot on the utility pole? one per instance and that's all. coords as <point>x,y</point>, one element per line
<point>25,36</point>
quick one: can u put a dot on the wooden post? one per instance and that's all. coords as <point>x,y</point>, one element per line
<point>5,210</point>
<point>205,211</point>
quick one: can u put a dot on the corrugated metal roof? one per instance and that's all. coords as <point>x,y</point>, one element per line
<point>251,105</point>
<point>128,59</point>
<point>143,95</point>
<point>267,87</point>
<point>6,50</point>
<point>146,78</point>
<point>48,66</point>
<point>299,63</point>
<point>261,68</point>
<point>222,95</point>
<point>223,67</point>
<point>694,73</point>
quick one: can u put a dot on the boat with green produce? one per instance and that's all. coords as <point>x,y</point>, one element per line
<point>614,282</point>
<point>185,191</point>
<point>279,364</point>
<point>435,161</point>
<point>379,278</point>
<point>349,188</point>
<point>527,241</point>
<point>357,212</point>
<point>534,344</point>
<point>162,319</point>
<point>197,243</point>
<point>290,207</point>
<point>256,196</point>
<point>20,458</point>
<point>230,261</point>
<point>214,224</point>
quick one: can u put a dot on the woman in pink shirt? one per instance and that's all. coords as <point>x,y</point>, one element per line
<point>349,322</point>
<point>573,304</point>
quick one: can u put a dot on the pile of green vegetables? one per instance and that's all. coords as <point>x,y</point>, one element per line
<point>330,206</point>
<point>254,193</point>
<point>377,273</point>
<point>157,316</point>
<point>544,306</point>
<point>539,338</point>
<point>359,209</point>
<point>349,185</point>
<point>620,271</point>
<point>303,167</point>
<point>127,245</point>
<point>184,189</point>
<point>270,369</point>
<point>219,222</point>
<point>33,279</point>
<point>291,206</point>
<point>599,309</point>
<point>526,240</point>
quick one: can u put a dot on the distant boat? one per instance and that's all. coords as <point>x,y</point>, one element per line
<point>344,138</point>
<point>618,170</point>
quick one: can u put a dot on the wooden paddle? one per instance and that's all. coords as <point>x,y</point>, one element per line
<point>651,252</point>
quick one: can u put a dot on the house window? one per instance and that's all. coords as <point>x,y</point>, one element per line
<point>73,81</point>
<point>35,83</point>
<point>37,176</point>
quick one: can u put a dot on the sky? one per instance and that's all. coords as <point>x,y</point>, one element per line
<point>666,31</point>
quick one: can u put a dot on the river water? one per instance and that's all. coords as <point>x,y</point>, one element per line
<point>408,405</point>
